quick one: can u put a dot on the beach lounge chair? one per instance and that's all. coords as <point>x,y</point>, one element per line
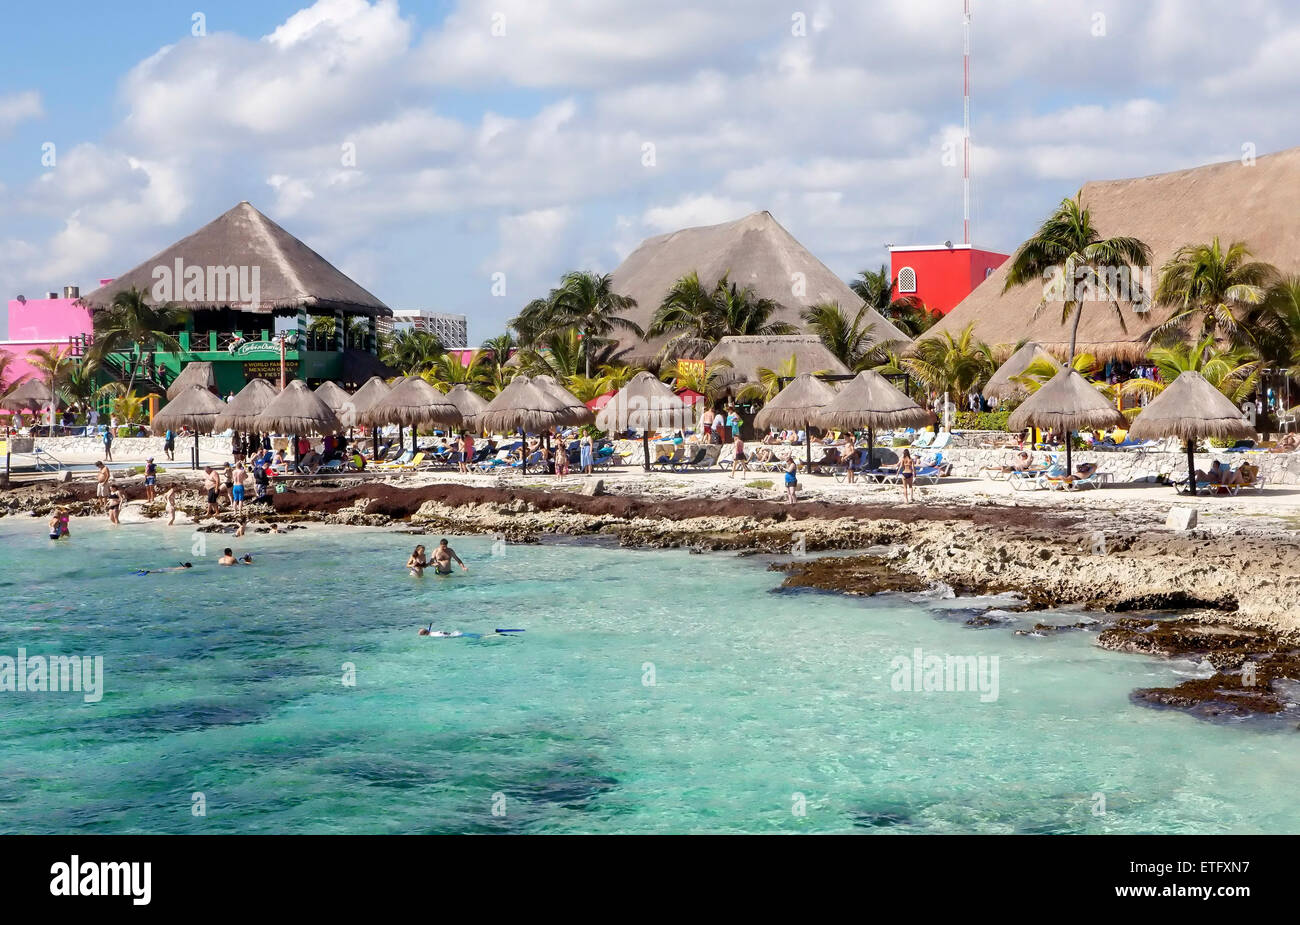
<point>1087,476</point>
<point>940,441</point>
<point>923,441</point>
<point>667,458</point>
<point>395,463</point>
<point>1027,479</point>
<point>413,463</point>
<point>691,459</point>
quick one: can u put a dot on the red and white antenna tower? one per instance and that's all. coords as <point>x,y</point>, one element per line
<point>965,124</point>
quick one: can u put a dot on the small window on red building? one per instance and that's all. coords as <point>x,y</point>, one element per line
<point>988,271</point>
<point>907,280</point>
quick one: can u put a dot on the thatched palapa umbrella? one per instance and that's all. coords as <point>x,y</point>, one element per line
<point>870,400</point>
<point>1190,408</point>
<point>412,402</point>
<point>471,404</point>
<point>795,407</point>
<point>524,407</point>
<point>296,411</point>
<point>248,403</point>
<point>198,372</point>
<point>363,399</point>
<point>195,408</point>
<point>1066,403</point>
<point>31,395</point>
<point>1000,384</point>
<point>645,404</point>
<point>577,411</point>
<point>335,396</point>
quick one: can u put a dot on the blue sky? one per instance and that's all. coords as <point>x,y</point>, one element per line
<point>515,146</point>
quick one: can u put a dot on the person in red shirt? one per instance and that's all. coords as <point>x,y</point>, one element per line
<point>466,451</point>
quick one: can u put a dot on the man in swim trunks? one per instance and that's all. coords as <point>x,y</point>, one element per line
<point>102,475</point>
<point>227,557</point>
<point>212,483</point>
<point>442,558</point>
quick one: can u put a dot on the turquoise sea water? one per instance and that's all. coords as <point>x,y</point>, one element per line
<point>768,712</point>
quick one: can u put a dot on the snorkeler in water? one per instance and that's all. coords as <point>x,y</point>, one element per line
<point>157,571</point>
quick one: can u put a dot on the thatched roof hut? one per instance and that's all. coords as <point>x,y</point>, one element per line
<point>870,400</point>
<point>470,404</point>
<point>796,404</point>
<point>1255,204</point>
<point>412,403</point>
<point>521,405</point>
<point>1190,408</point>
<point>1066,402</point>
<point>248,403</point>
<point>32,395</point>
<point>747,355</point>
<point>195,408</point>
<point>336,397</point>
<point>290,274</point>
<point>1000,385</point>
<point>198,372</point>
<point>753,251</point>
<point>297,410</point>
<point>644,404</point>
<point>579,413</point>
<point>363,399</point>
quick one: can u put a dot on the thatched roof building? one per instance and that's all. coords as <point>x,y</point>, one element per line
<point>290,274</point>
<point>753,251</point>
<point>747,355</point>
<point>1257,204</point>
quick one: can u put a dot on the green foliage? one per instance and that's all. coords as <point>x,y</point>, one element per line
<point>983,420</point>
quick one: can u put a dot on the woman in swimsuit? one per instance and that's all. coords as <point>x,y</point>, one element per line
<point>114,506</point>
<point>417,563</point>
<point>791,478</point>
<point>907,469</point>
<point>59,524</point>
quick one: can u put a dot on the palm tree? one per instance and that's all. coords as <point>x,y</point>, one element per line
<point>1277,324</point>
<point>849,339</point>
<point>951,365</point>
<point>560,356</point>
<point>7,360</point>
<point>617,375</point>
<point>449,370</point>
<point>1068,248</point>
<point>131,323</point>
<point>129,407</point>
<point>52,363</point>
<point>1038,373</point>
<point>906,312</point>
<point>744,314</point>
<point>588,302</point>
<point>689,314</point>
<point>708,382</point>
<point>1233,371</point>
<point>1220,287</point>
<point>413,352</point>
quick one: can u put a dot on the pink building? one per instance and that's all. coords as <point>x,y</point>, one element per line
<point>39,323</point>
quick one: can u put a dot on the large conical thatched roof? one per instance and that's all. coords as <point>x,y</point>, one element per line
<point>32,395</point>
<point>754,251</point>
<point>297,410</point>
<point>796,404</point>
<point>470,404</point>
<point>644,404</point>
<point>290,274</point>
<point>195,408</point>
<point>248,403</point>
<point>521,405</point>
<point>1190,408</point>
<point>1064,403</point>
<point>198,372</point>
<point>578,414</point>
<point>412,403</point>
<point>336,397</point>
<point>1257,204</point>
<point>1000,385</point>
<point>870,400</point>
<point>363,399</point>
<point>747,355</point>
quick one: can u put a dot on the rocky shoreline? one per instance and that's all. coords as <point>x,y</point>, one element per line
<point>1237,591</point>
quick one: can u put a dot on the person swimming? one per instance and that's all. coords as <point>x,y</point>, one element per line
<point>157,571</point>
<point>441,634</point>
<point>417,562</point>
<point>442,558</point>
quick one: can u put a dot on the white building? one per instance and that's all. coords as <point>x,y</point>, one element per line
<point>452,330</point>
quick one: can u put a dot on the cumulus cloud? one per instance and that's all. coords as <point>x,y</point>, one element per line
<point>19,107</point>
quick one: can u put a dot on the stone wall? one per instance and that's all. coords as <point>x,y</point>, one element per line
<point>128,447</point>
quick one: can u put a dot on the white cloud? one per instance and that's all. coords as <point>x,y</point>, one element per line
<point>19,107</point>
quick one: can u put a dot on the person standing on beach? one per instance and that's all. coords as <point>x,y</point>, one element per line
<point>102,475</point>
<point>738,458</point>
<point>212,485</point>
<point>466,451</point>
<point>239,477</point>
<point>706,424</point>
<point>561,457</point>
<point>586,457</point>
<point>108,444</point>
<point>907,474</point>
<point>169,499</point>
<point>169,445</point>
<point>791,479</point>
<point>115,500</point>
<point>150,479</point>
<point>733,422</point>
<point>228,483</point>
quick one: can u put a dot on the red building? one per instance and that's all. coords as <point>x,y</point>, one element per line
<point>941,275</point>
